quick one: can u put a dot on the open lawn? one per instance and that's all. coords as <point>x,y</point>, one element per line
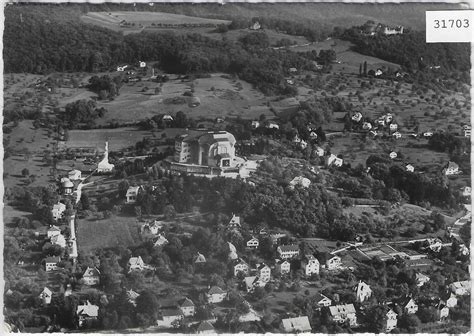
<point>111,232</point>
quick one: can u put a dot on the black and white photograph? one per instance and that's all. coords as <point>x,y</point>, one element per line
<point>233,167</point>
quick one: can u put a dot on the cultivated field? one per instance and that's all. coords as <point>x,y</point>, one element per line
<point>130,21</point>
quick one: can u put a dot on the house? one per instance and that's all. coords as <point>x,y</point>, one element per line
<point>46,295</point>
<point>58,210</point>
<point>449,299</point>
<point>169,318</point>
<point>104,166</point>
<point>151,228</point>
<point>461,287</point>
<point>205,328</point>
<point>393,31</point>
<point>67,186</point>
<point>435,245</point>
<point>343,313</point>
<point>393,155</point>
<point>122,67</point>
<point>59,240</point>
<point>252,282</point>
<point>397,135</point>
<point>187,307</point>
<point>282,266</point>
<point>300,181</point>
<point>253,243</point>
<point>410,168</point>
<point>91,276</point>
<point>329,261</point>
<point>234,222</point>
<point>334,160</point>
<point>288,251</point>
<point>357,116</point>
<point>421,279</point>
<point>366,126</point>
<point>273,125</point>
<point>255,26</point>
<point>408,305</point>
<point>132,194</point>
<point>216,295</point>
<point>232,252</point>
<point>310,265</point>
<point>263,272</point>
<point>319,151</point>
<point>378,72</point>
<point>160,241</point>
<point>451,168</point>
<point>442,312</point>
<point>86,313</point>
<point>255,124</point>
<point>467,131</point>
<point>241,267</point>
<point>466,191</point>
<point>428,134</point>
<point>74,175</point>
<point>200,258</point>
<point>132,297</point>
<point>295,325</point>
<point>363,292</point>
<point>313,135</point>
<point>322,300</point>
<point>53,231</point>
<point>142,64</point>
<point>391,322</point>
<point>135,264</point>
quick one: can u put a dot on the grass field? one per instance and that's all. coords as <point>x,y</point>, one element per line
<point>111,232</point>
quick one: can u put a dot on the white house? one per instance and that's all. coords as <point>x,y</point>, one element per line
<point>282,266</point>
<point>319,151</point>
<point>310,265</point>
<point>342,313</point>
<point>74,175</point>
<point>58,210</point>
<point>142,64</point>
<point>461,287</point>
<point>393,127</point>
<point>216,295</point>
<point>378,72</point>
<point>363,292</point>
<point>241,267</point>
<point>234,222</point>
<point>421,279</point>
<point>132,297</point>
<point>288,251</point>
<point>187,307</point>
<point>452,168</point>
<point>200,258</point>
<point>273,125</point>
<point>466,191</point>
<point>366,126</point>
<point>391,322</point>
<point>393,155</point>
<point>160,241</point>
<point>397,135</point>
<point>169,317</point>
<point>136,264</point>
<point>87,312</point>
<point>255,124</point>
<point>205,327</point>
<point>300,181</point>
<point>132,194</point>
<point>428,134</point>
<point>46,296</point>
<point>408,305</point>
<point>264,273</point>
<point>449,299</point>
<point>53,231</point>
<point>330,262</point>
<point>296,325</point>
<point>442,312</point>
<point>91,276</point>
<point>334,160</point>
<point>357,116</point>
<point>322,300</point>
<point>253,243</point>
<point>410,168</point>
<point>59,240</point>
<point>51,263</point>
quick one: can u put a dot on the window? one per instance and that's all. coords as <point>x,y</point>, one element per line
<point>226,163</point>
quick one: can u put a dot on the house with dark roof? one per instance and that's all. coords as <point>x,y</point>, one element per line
<point>205,328</point>
<point>187,307</point>
<point>322,300</point>
<point>407,304</point>
<point>288,251</point>
<point>451,168</point>
<point>169,318</point>
<point>216,295</point>
<point>91,276</point>
<point>343,313</point>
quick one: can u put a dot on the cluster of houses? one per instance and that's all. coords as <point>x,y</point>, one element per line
<point>371,28</point>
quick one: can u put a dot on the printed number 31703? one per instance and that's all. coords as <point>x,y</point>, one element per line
<point>460,23</point>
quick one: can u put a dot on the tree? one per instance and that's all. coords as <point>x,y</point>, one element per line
<point>147,303</point>
<point>25,172</point>
<point>409,322</point>
<point>376,319</point>
<point>169,212</point>
<point>365,68</point>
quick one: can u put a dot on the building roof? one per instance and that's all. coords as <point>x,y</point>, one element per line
<point>342,309</point>
<point>296,324</point>
<point>46,291</point>
<point>91,271</point>
<point>50,260</point>
<point>289,248</point>
<point>132,295</point>
<point>216,290</point>
<point>54,228</point>
<point>171,312</point>
<point>249,281</point>
<point>319,296</point>
<point>186,303</point>
<point>200,258</point>
<point>135,261</point>
<point>205,326</point>
<point>67,184</point>
<point>88,309</point>
<point>452,165</point>
<point>131,191</point>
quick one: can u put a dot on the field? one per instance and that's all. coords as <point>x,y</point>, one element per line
<point>112,232</point>
<point>130,22</point>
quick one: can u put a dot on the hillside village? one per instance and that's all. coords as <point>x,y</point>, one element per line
<point>325,208</point>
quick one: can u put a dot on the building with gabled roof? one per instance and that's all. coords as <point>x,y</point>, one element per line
<point>294,325</point>
<point>288,251</point>
<point>132,194</point>
<point>451,168</point>
<point>363,292</point>
<point>160,241</point>
<point>87,312</point>
<point>216,295</point>
<point>253,243</point>
<point>310,265</point>
<point>53,231</point>
<point>408,305</point>
<point>187,307</point>
<point>391,322</point>
<point>46,295</point>
<point>136,264</point>
<point>421,279</point>
<point>282,266</point>
<point>461,287</point>
<point>132,297</point>
<point>343,313</point>
<point>91,276</point>
<point>168,317</point>
<point>58,210</point>
<point>322,300</point>
<point>241,267</point>
<point>200,258</point>
<point>263,272</point>
<point>300,181</point>
<point>205,327</point>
